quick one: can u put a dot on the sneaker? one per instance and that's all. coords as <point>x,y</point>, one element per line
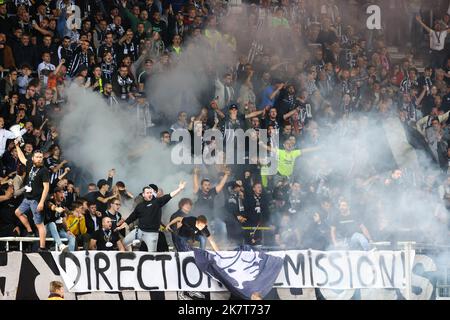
<point>63,248</point>
<point>136,243</point>
<point>30,235</point>
<point>42,250</point>
<point>182,296</point>
<point>196,294</point>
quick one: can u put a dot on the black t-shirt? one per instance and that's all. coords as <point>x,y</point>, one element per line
<point>189,230</point>
<point>177,214</point>
<point>100,205</point>
<point>205,201</point>
<point>54,216</point>
<point>115,218</point>
<point>36,176</point>
<point>149,213</point>
<point>103,237</point>
<point>346,226</point>
<point>8,218</point>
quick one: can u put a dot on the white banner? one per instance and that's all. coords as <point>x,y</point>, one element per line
<point>140,271</point>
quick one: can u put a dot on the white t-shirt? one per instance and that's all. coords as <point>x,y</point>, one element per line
<point>437,40</point>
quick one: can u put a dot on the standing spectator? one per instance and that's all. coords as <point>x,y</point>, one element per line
<point>437,42</point>
<point>65,51</point>
<point>184,208</point>
<point>82,57</point>
<point>36,191</point>
<point>45,68</point>
<point>6,54</point>
<point>224,91</point>
<point>123,85</point>
<point>25,52</point>
<point>270,93</point>
<point>149,215</point>
<point>116,28</point>
<point>108,46</point>
<point>257,212</point>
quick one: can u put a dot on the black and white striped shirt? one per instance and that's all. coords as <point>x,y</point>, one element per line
<point>407,84</point>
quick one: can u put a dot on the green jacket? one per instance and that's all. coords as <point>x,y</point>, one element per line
<point>134,20</point>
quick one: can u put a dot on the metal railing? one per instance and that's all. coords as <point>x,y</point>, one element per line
<point>21,240</point>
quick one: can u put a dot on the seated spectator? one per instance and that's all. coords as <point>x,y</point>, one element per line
<point>105,238</point>
<point>76,224</point>
<point>56,221</point>
<point>348,231</point>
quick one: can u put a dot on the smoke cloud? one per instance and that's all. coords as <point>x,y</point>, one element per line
<point>98,138</point>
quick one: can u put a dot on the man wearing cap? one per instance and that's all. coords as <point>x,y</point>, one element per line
<point>149,214</point>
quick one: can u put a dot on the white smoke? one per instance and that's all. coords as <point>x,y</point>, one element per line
<point>98,138</point>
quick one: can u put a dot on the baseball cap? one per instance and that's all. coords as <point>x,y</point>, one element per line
<point>154,187</point>
<point>233,106</point>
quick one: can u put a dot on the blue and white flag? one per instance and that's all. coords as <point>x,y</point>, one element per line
<point>243,272</point>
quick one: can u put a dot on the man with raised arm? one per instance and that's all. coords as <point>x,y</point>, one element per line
<point>36,190</point>
<point>149,214</point>
<point>437,42</point>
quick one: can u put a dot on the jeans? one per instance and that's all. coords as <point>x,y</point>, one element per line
<point>199,238</point>
<point>358,241</point>
<point>150,239</point>
<point>57,235</point>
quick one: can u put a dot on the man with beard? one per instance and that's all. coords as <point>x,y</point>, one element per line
<point>123,85</point>
<point>257,212</point>
<point>348,229</point>
<point>149,214</point>
<point>36,190</point>
<point>105,238</point>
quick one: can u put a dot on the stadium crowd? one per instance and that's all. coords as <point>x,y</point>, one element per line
<point>303,70</point>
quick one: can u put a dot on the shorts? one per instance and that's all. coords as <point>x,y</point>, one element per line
<point>32,205</point>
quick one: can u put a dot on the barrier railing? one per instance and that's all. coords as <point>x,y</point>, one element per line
<point>25,239</point>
